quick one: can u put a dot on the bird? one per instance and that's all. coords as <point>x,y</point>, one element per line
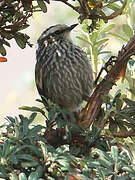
<point>63,73</point>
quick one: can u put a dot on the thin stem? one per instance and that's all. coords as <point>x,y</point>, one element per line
<point>68,4</point>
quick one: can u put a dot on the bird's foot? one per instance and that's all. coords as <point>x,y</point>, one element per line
<point>109,63</point>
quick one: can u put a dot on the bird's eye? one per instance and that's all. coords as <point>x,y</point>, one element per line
<point>57,32</point>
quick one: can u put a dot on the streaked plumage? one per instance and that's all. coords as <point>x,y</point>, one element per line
<point>63,73</point>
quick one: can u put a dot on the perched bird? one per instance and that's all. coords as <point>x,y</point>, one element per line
<point>63,72</point>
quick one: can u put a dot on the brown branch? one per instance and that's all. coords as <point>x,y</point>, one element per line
<point>124,134</point>
<point>86,12</point>
<point>56,138</point>
<point>90,112</point>
<point>68,4</point>
<point>112,16</point>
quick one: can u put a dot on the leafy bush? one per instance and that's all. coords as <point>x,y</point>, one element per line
<point>26,152</point>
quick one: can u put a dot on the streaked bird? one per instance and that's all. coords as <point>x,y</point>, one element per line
<point>63,72</point>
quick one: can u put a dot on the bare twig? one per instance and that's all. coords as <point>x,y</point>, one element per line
<point>68,4</point>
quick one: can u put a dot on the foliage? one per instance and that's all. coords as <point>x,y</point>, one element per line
<point>25,153</point>
<point>14,15</point>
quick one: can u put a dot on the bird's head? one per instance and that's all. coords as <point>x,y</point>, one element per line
<point>59,31</point>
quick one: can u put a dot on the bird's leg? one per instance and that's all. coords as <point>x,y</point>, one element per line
<point>110,62</point>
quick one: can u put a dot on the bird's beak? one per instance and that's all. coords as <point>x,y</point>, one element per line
<point>72,26</point>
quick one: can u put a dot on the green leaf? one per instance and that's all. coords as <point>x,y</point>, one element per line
<point>34,149</point>
<point>20,40</point>
<point>6,149</point>
<point>6,43</point>
<point>119,36</point>
<point>117,96</point>
<point>107,28</point>
<point>104,157</point>
<point>102,41</point>
<point>119,104</point>
<point>33,176</point>
<point>114,6</point>
<point>127,30</point>
<point>26,157</point>
<point>114,150</point>
<point>42,5</point>
<point>85,28</point>
<point>83,39</point>
<point>22,176</point>
<point>2,50</point>
<point>40,171</point>
<point>35,130</point>
<point>39,100</point>
<point>29,164</point>
<point>33,109</point>
<point>11,119</point>
<point>13,177</point>
<point>3,172</point>
<point>94,37</point>
<point>129,170</point>
<point>63,162</point>
<point>32,117</point>
<point>24,26</point>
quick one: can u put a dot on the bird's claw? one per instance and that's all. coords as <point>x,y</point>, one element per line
<point>110,62</point>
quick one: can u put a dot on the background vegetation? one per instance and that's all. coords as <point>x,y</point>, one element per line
<point>28,151</point>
